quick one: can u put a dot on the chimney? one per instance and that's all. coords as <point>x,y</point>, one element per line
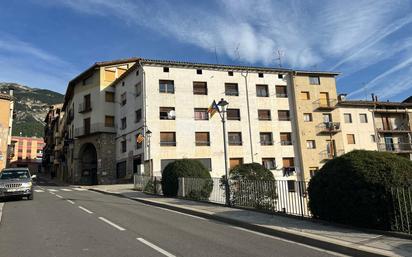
<point>342,97</point>
<point>11,92</point>
<point>376,98</point>
<point>373,97</point>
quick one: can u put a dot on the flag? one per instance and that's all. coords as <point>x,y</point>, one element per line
<point>139,138</point>
<point>213,109</point>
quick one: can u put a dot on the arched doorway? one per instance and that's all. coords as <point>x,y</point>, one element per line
<point>88,164</point>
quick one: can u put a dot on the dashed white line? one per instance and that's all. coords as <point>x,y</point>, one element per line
<point>59,196</point>
<point>52,193</point>
<point>66,189</point>
<point>38,191</point>
<point>70,201</point>
<point>112,224</point>
<point>80,189</point>
<point>86,210</point>
<point>52,190</point>
<point>155,247</point>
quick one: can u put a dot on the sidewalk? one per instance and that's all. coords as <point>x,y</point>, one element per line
<point>338,239</point>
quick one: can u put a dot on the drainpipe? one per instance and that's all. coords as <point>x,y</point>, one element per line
<point>145,115</point>
<point>248,114</point>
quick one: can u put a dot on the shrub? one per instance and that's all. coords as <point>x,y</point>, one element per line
<point>252,185</point>
<point>355,188</point>
<point>186,168</point>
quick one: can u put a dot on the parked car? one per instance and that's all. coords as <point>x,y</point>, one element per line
<point>16,182</point>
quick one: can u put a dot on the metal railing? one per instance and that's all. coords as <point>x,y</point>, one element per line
<point>85,107</point>
<point>94,128</point>
<point>329,127</point>
<point>328,155</point>
<point>325,104</point>
<point>402,209</point>
<point>148,184</point>
<point>396,148</point>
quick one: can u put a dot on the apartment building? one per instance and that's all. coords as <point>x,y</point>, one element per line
<point>171,99</point>
<point>88,130</point>
<point>53,158</point>
<point>6,122</point>
<point>26,152</point>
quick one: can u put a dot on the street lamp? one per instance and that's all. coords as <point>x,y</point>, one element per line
<point>223,109</point>
<point>149,134</point>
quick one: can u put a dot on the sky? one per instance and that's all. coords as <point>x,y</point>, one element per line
<point>45,43</point>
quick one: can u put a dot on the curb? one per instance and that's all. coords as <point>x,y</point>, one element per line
<point>333,247</point>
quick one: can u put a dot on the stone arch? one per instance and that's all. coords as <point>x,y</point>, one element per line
<point>88,164</point>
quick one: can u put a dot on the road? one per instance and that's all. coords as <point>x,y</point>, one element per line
<point>68,221</point>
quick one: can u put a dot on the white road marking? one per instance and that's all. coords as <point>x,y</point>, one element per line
<point>66,189</point>
<point>80,189</point>
<point>160,250</point>
<point>59,196</point>
<point>181,213</point>
<point>112,224</point>
<point>52,193</point>
<point>86,210</point>
<point>288,241</point>
<point>52,190</point>
<point>38,191</point>
<point>70,201</point>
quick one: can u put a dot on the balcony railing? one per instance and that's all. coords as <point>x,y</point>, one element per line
<point>328,155</point>
<point>325,104</point>
<point>94,128</point>
<point>329,127</point>
<point>85,107</point>
<point>392,129</point>
<point>395,148</point>
<point>288,171</point>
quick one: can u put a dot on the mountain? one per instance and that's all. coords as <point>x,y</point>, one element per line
<point>30,106</point>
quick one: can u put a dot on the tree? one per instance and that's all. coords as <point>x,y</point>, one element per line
<point>355,188</point>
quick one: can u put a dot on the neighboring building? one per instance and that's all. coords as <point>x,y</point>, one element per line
<point>6,121</point>
<point>89,128</point>
<point>171,100</point>
<point>27,152</point>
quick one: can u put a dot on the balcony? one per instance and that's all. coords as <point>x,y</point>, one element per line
<point>288,171</point>
<point>392,129</point>
<point>94,128</point>
<point>85,107</point>
<point>395,148</point>
<point>325,104</point>
<point>328,127</point>
<point>328,155</point>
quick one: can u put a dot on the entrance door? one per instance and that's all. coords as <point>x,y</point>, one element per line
<point>389,146</point>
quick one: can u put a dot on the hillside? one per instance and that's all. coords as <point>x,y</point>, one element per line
<point>31,106</point>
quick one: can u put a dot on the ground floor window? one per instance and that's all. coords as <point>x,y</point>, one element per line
<point>121,169</point>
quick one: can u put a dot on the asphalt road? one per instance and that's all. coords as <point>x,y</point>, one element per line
<point>64,221</point>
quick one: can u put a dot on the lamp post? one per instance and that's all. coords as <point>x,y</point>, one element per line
<point>149,134</point>
<point>222,112</point>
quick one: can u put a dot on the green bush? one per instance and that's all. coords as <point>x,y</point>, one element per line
<point>355,188</point>
<point>186,168</point>
<point>252,185</point>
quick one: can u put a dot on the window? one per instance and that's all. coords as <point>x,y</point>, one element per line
<point>123,146</point>
<point>291,186</point>
<point>313,170</point>
<point>233,114</point>
<point>283,115</point>
<point>124,123</point>
<point>264,115</point>
<point>138,89</point>
<point>260,75</point>
<point>202,139</point>
<point>231,89</point>
<point>167,113</point>
<point>86,124</point>
<point>233,162</point>
<point>285,138</point>
<point>137,72</point>
<point>87,103</point>
<point>207,162</point>
<point>304,95</point>
<point>266,138</point>
<point>165,69</point>
<point>123,83</point>
<point>235,138</point>
<point>288,162</point>
<point>199,88</point>
<point>314,80</point>
<point>201,114</point>
<point>167,86</point>
<point>327,117</point>
<point>109,96</point>
<point>351,139</point>
<point>347,117</point>
<point>168,138</point>
<point>363,118</point>
<point>280,76</point>
<point>262,91</point>
<point>269,163</point>
<point>87,80</point>
<point>109,121</point>
<point>281,92</point>
<point>138,115</point>
<point>123,99</point>
<point>307,117</point>
<point>198,71</point>
<point>310,144</point>
<point>109,75</point>
<point>230,73</point>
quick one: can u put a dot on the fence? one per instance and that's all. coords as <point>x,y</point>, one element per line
<point>402,209</point>
<point>148,184</point>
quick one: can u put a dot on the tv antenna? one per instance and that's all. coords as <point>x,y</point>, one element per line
<point>280,54</point>
<point>217,60</point>
<point>236,52</point>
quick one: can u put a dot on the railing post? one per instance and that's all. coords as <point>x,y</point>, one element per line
<point>300,183</point>
<point>183,187</point>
